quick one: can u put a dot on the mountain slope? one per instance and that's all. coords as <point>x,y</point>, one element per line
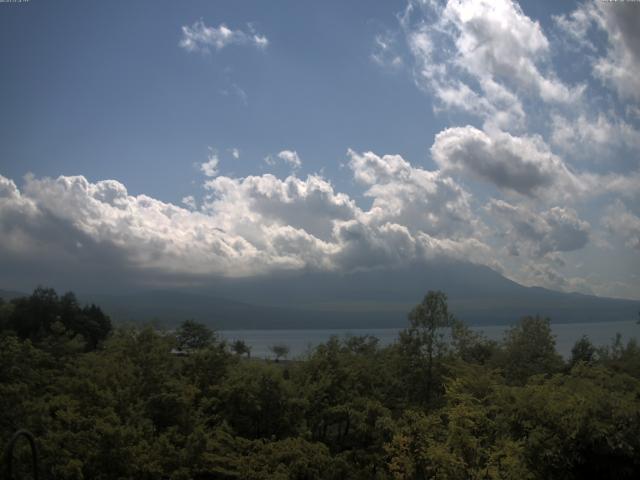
<point>10,294</point>
<point>380,298</point>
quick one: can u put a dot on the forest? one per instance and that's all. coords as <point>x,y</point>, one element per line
<point>442,402</point>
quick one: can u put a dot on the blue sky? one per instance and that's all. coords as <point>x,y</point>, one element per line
<point>500,133</point>
<point>108,93</point>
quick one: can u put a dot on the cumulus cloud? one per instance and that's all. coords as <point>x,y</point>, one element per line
<point>290,157</point>
<point>623,223</point>
<point>19,216</point>
<point>496,40</point>
<point>474,55</point>
<point>619,66</point>
<point>201,37</point>
<point>190,202</point>
<point>260,224</point>
<point>556,230</point>
<point>602,132</point>
<point>521,164</point>
<point>210,167</point>
<point>246,226</point>
<point>620,185</point>
<point>545,275</point>
<point>423,200</point>
<point>148,233</point>
<point>246,205</point>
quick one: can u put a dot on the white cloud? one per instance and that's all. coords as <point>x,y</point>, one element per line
<point>538,234</point>
<point>245,205</point>
<point>245,226</point>
<point>603,134</point>
<point>385,51</point>
<point>260,224</point>
<point>117,229</point>
<point>623,223</point>
<point>201,37</point>
<point>235,153</point>
<point>190,202</point>
<point>520,164</point>
<point>545,275</point>
<point>236,91</point>
<point>474,55</point>
<point>496,40</point>
<point>623,185</point>
<point>16,209</point>
<point>577,24</point>
<point>210,167</point>
<point>422,200</point>
<point>290,157</point>
<point>619,66</point>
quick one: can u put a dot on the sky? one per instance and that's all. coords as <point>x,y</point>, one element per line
<point>173,142</point>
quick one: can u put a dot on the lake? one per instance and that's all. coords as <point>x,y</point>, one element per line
<point>301,341</point>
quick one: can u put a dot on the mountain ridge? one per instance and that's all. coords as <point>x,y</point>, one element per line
<point>381,298</point>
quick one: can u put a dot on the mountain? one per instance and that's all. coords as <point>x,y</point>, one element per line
<point>10,294</point>
<point>169,307</point>
<point>372,299</point>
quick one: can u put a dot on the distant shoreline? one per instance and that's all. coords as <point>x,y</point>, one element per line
<point>301,340</point>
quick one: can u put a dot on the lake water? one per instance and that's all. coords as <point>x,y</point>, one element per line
<point>302,341</point>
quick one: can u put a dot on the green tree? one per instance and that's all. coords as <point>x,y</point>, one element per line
<point>95,325</point>
<point>258,402</point>
<point>192,335</point>
<point>280,350</point>
<point>240,347</point>
<point>352,409</point>
<point>423,345</point>
<point>43,313</point>
<point>6,309</point>
<point>467,438</point>
<point>346,389</point>
<point>582,425</point>
<point>206,370</point>
<point>529,349</point>
<point>620,357</point>
<point>288,459</point>
<point>583,351</point>
<point>33,316</point>
<point>470,346</point>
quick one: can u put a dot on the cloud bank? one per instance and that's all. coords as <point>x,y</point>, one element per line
<point>246,226</point>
